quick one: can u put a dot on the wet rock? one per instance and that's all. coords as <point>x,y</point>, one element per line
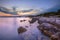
<point>40,27</point>
<point>45,30</point>
<point>33,20</point>
<point>52,32</point>
<point>57,35</point>
<point>22,20</point>
<point>54,37</point>
<point>21,30</point>
<point>39,22</point>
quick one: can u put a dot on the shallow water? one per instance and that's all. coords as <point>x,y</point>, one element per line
<point>9,26</point>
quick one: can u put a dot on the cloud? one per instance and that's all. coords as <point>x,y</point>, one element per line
<point>4,14</point>
<point>28,12</point>
<point>7,11</point>
<point>19,13</point>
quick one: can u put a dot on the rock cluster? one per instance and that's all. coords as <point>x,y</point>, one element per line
<point>52,32</point>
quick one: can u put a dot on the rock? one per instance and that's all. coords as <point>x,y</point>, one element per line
<point>54,37</point>
<point>39,22</point>
<point>22,20</point>
<point>21,30</point>
<point>33,20</point>
<point>45,30</point>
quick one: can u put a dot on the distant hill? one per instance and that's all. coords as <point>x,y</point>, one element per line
<point>47,14</point>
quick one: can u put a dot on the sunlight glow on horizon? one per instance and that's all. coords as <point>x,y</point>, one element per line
<point>28,13</point>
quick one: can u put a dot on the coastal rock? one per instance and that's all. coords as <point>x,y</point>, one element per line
<point>21,30</point>
<point>33,20</point>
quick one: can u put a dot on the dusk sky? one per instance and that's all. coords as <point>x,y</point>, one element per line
<point>41,5</point>
<point>29,4</point>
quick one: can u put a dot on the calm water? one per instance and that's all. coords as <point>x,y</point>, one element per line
<point>9,26</point>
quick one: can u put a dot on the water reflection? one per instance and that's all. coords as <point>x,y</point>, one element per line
<point>9,29</point>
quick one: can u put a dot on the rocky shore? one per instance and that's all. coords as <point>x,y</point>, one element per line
<point>52,31</point>
<point>49,28</point>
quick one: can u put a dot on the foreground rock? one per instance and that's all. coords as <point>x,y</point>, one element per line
<point>53,32</point>
<point>33,20</point>
<point>21,30</point>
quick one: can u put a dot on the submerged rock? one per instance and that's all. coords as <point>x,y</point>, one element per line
<point>26,26</point>
<point>22,20</point>
<point>21,30</point>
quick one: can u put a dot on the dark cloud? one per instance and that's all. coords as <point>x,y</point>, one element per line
<point>29,10</point>
<point>6,10</point>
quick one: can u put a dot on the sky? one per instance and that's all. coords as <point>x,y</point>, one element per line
<point>30,4</point>
<point>27,4</point>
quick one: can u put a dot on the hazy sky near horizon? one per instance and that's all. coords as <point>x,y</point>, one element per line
<point>29,4</point>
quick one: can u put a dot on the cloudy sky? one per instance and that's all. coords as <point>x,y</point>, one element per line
<point>27,4</point>
<point>30,4</point>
